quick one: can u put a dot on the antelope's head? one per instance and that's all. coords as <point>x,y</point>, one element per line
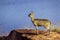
<point>31,15</point>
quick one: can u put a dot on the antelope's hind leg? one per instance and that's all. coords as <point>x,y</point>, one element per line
<point>48,31</point>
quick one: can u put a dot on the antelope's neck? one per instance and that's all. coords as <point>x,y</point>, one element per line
<point>32,19</point>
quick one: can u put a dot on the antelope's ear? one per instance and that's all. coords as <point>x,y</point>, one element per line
<point>32,12</point>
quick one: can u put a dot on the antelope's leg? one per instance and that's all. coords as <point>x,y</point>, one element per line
<point>48,30</point>
<point>47,26</point>
<point>36,29</point>
<point>36,26</point>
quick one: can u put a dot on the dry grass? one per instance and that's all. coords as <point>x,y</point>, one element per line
<point>55,29</point>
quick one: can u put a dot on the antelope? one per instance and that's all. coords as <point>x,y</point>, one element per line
<point>40,22</point>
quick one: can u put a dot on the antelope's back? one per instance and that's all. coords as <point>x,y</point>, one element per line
<point>42,22</point>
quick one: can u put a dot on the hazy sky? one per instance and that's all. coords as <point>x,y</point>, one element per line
<point>14,13</point>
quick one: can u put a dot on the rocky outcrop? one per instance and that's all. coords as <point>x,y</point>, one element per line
<point>24,34</point>
<point>14,35</point>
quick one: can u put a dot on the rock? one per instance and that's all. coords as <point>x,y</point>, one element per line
<point>24,34</point>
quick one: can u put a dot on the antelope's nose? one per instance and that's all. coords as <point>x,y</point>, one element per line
<point>29,15</point>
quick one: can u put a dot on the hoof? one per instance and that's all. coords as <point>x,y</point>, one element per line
<point>48,33</point>
<point>37,33</point>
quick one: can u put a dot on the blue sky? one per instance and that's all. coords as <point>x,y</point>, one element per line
<point>14,13</point>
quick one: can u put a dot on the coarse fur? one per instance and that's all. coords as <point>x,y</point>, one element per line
<point>40,22</point>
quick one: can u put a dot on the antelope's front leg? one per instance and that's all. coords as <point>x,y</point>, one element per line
<point>36,26</point>
<point>37,30</point>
